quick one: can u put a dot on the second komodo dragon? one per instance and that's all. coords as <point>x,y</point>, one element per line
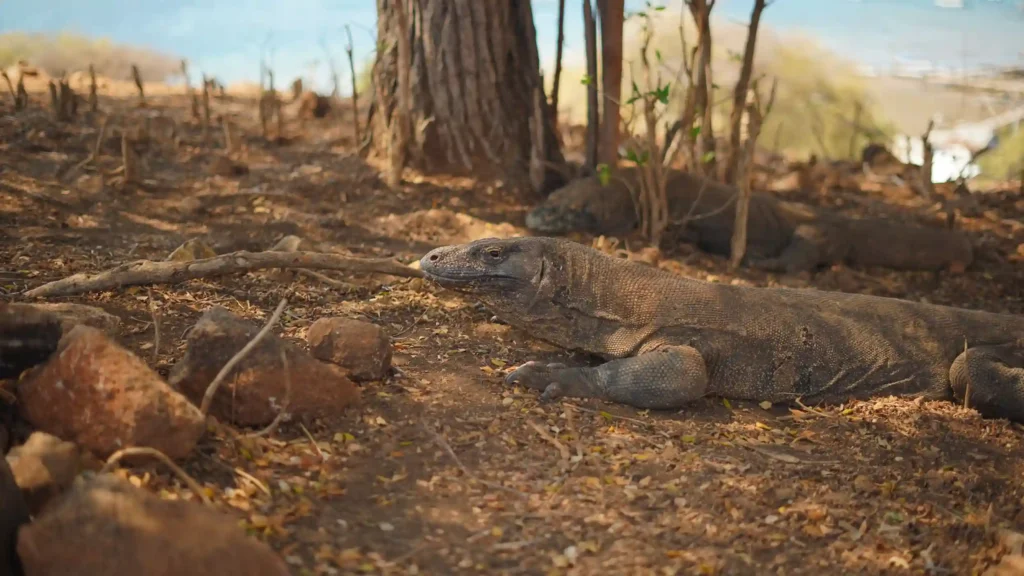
<point>781,236</point>
<point>669,340</point>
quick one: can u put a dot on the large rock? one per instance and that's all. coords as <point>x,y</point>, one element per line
<point>70,315</point>
<point>28,336</point>
<point>102,397</point>
<point>362,348</point>
<point>104,526</point>
<point>44,467</point>
<point>254,392</point>
<point>13,514</point>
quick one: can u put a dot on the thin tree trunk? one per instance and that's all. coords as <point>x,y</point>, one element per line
<point>355,89</point>
<point>590,28</point>
<point>739,97</point>
<point>399,136</point>
<point>612,14</point>
<point>703,97</point>
<point>474,82</point>
<point>556,81</point>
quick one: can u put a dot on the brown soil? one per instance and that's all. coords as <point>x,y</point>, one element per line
<point>443,469</point>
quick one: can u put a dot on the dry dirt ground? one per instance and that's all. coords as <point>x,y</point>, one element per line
<point>445,470</point>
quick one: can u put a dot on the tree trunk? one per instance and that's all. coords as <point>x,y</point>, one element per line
<point>477,105</point>
<point>703,97</point>
<point>556,81</point>
<point>612,13</point>
<point>590,29</point>
<point>739,97</point>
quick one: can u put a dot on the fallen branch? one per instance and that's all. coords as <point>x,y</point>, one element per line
<point>145,272</point>
<point>164,459</point>
<point>211,390</point>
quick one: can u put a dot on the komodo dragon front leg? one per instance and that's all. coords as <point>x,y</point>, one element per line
<point>669,377</point>
<point>992,379</point>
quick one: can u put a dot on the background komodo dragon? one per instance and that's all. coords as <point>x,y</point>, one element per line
<point>670,339</point>
<point>781,235</point>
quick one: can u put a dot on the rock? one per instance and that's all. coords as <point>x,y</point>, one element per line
<point>71,315</point>
<point>362,348</point>
<point>44,467</point>
<point>13,514</point>
<point>255,391</point>
<point>191,249</point>
<point>228,168</point>
<point>28,336</point>
<point>105,526</point>
<point>102,397</point>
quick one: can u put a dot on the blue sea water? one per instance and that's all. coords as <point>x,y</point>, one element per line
<point>225,37</point>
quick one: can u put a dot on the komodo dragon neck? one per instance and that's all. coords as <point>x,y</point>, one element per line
<point>610,307</point>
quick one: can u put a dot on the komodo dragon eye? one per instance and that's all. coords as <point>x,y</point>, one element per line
<point>493,251</point>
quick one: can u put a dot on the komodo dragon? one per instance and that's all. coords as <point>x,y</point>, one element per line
<point>669,340</point>
<point>781,236</point>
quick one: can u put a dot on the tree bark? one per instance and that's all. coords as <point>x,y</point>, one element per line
<point>739,97</point>
<point>703,97</point>
<point>612,14</point>
<point>477,105</point>
<point>556,81</point>
<point>590,29</point>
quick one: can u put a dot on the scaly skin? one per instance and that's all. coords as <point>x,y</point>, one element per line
<point>27,337</point>
<point>781,236</point>
<point>669,340</point>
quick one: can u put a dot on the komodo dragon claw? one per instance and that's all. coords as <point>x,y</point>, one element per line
<point>537,376</point>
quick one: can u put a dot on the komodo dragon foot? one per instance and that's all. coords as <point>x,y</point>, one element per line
<point>666,378</point>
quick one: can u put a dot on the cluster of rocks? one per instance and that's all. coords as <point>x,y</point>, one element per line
<point>59,514</point>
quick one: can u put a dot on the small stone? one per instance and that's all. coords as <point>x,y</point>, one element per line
<point>192,249</point>
<point>362,348</point>
<point>14,514</point>
<point>104,526</point>
<point>102,397</point>
<point>44,467</point>
<point>228,168</point>
<point>863,484</point>
<point>255,392</point>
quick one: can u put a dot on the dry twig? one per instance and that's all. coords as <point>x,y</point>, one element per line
<point>164,459</point>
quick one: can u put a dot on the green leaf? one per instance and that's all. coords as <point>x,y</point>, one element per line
<point>657,54</point>
<point>694,132</point>
<point>604,173</point>
<point>607,416</point>
<point>662,93</point>
<point>727,403</point>
<point>587,80</point>
<point>707,157</point>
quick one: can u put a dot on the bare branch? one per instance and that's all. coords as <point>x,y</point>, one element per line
<point>146,272</point>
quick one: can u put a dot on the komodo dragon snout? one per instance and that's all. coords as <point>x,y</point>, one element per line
<point>507,275</point>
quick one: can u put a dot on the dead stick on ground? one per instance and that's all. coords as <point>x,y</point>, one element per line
<point>96,147</point>
<point>211,391</point>
<point>144,272</point>
<point>154,453</point>
<point>312,441</point>
<point>562,450</point>
<point>284,407</point>
<point>443,444</point>
<point>156,325</point>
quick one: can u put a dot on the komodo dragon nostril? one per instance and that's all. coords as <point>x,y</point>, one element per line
<point>434,257</point>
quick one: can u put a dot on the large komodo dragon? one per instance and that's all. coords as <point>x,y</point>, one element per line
<point>781,236</point>
<point>669,340</point>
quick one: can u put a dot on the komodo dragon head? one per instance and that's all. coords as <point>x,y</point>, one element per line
<point>585,205</point>
<point>514,277</point>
